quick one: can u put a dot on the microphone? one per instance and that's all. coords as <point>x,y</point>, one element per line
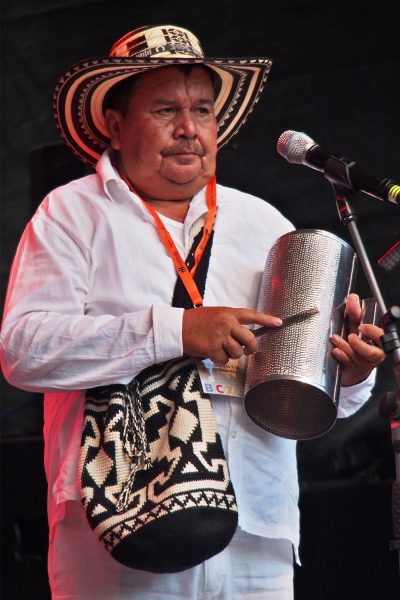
<point>299,148</point>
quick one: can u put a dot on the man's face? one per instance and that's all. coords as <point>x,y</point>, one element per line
<point>167,141</point>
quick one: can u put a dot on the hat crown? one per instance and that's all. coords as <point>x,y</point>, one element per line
<point>166,41</point>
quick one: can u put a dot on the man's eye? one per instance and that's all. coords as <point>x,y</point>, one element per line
<point>167,110</point>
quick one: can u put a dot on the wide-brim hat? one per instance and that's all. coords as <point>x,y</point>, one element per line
<point>81,91</point>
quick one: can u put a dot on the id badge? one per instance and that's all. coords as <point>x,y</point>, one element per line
<point>225,380</point>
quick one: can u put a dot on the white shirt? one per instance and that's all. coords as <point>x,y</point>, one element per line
<point>89,303</point>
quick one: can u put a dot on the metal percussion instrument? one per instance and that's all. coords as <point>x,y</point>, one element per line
<point>293,381</point>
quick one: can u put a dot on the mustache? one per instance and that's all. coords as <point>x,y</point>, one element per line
<point>184,147</point>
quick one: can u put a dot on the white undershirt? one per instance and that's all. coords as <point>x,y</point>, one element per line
<point>176,229</point>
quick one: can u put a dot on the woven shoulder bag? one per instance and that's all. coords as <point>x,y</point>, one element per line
<point>155,484</point>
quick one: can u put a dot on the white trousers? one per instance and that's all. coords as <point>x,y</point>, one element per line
<point>250,568</point>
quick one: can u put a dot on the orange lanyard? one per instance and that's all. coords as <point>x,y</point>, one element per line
<point>186,276</point>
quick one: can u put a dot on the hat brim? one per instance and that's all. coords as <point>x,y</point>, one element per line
<point>80,92</point>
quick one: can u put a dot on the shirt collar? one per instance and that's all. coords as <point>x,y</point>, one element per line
<point>113,185</point>
<point>109,175</point>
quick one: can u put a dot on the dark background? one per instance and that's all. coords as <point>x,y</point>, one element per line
<point>336,77</point>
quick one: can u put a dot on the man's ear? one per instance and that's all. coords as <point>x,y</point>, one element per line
<point>113,120</point>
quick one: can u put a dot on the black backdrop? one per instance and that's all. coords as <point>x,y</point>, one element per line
<point>335,76</point>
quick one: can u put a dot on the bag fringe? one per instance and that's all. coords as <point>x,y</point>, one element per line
<point>135,442</point>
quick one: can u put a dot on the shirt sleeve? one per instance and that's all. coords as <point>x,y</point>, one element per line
<point>48,341</point>
<point>351,398</point>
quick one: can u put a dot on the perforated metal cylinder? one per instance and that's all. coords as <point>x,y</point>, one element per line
<point>292,382</point>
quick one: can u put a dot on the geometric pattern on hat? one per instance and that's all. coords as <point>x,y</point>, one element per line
<point>80,92</point>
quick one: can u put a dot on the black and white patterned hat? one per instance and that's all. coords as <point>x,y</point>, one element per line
<point>80,92</point>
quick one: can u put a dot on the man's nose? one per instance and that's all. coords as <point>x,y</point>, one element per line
<point>185,125</point>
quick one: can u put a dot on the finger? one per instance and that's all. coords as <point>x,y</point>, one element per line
<point>373,332</point>
<point>356,351</point>
<point>363,351</point>
<point>342,351</point>
<point>342,357</point>
<point>353,307</point>
<point>352,372</point>
<point>346,354</point>
<point>245,338</point>
<point>219,356</point>
<point>232,348</point>
<point>353,312</point>
<point>248,316</point>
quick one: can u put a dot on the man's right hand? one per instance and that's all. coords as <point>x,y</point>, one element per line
<point>219,333</point>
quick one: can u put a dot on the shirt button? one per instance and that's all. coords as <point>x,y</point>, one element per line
<point>234,434</point>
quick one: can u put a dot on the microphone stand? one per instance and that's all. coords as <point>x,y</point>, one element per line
<point>337,173</point>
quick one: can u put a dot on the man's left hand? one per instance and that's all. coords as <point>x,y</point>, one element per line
<point>358,357</point>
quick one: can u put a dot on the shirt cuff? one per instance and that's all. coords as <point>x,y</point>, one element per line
<point>351,398</point>
<point>167,326</point>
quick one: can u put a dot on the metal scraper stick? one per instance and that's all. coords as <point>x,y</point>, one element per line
<point>305,314</point>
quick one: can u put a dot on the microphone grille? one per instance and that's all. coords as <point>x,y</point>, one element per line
<point>294,145</point>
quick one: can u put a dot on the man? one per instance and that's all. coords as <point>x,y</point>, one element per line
<point>90,301</point>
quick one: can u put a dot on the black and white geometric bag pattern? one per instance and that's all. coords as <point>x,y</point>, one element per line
<point>154,480</point>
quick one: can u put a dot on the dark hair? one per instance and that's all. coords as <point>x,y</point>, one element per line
<point>119,95</point>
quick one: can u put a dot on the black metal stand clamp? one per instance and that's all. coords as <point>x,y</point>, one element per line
<point>337,173</point>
